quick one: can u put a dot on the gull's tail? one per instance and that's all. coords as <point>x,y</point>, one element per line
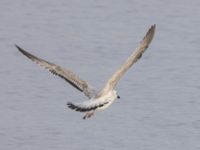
<point>87,106</point>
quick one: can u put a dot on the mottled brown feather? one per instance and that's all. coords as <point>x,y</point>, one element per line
<point>65,74</point>
<point>135,56</point>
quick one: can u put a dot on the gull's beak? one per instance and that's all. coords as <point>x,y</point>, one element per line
<point>118,96</point>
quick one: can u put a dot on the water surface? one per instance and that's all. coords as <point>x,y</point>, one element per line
<point>159,106</point>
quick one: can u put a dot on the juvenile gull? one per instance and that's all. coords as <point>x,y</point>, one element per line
<point>105,97</point>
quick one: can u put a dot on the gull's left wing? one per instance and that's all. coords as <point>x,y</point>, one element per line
<point>65,74</point>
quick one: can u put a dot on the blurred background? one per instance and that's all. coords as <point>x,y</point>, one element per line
<point>159,106</point>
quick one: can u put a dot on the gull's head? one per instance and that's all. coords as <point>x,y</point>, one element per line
<point>116,95</point>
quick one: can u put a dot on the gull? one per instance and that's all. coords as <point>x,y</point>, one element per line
<point>97,100</point>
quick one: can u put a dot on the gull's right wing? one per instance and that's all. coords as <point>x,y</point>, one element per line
<point>65,74</point>
<point>134,57</point>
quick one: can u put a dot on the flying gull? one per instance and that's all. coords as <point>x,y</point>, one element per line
<point>98,100</point>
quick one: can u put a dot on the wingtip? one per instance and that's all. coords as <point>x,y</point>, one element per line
<point>19,48</point>
<point>150,34</point>
<point>153,28</point>
<point>27,54</point>
<point>16,46</point>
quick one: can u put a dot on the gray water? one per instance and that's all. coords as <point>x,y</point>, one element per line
<point>159,107</point>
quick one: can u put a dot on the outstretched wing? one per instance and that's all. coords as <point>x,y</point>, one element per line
<point>65,74</point>
<point>135,56</point>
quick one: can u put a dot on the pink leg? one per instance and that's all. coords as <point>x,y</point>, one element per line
<point>88,114</point>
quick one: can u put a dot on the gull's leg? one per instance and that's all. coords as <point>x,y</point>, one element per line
<point>88,114</point>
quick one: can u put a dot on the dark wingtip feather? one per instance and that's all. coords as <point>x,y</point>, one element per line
<point>16,46</point>
<point>150,34</point>
<point>25,52</point>
<point>153,27</point>
<point>148,37</point>
<point>19,48</point>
